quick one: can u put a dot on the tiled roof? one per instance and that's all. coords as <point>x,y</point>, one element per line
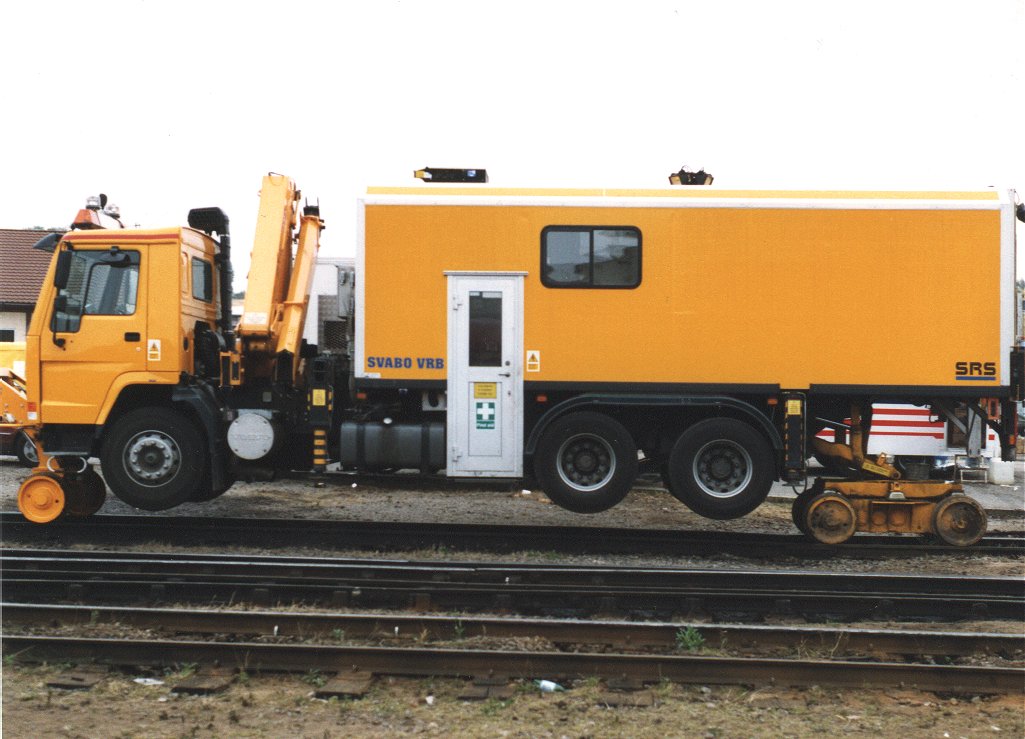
<point>22,268</point>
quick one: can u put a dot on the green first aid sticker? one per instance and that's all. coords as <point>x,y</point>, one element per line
<point>485,414</point>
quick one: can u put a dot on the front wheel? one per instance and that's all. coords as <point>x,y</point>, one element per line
<point>586,462</point>
<point>154,458</point>
<point>721,468</point>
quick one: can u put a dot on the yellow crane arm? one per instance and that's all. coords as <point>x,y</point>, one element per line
<point>289,332</point>
<point>278,285</point>
<point>270,262</point>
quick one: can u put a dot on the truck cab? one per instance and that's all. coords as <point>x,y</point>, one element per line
<point>123,338</point>
<point>120,309</point>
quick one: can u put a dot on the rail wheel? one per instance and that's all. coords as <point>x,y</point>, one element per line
<point>721,468</point>
<point>798,511</point>
<point>830,518</point>
<point>586,462</point>
<point>154,458</point>
<point>959,520</point>
<point>85,494</point>
<point>41,498</point>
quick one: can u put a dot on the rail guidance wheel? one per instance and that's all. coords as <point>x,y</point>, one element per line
<point>798,511</point>
<point>830,518</point>
<point>586,462</point>
<point>85,494</point>
<point>154,458</point>
<point>959,520</point>
<point>721,468</point>
<point>41,498</point>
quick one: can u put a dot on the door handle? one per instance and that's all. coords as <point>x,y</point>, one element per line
<point>131,336</point>
<point>505,374</point>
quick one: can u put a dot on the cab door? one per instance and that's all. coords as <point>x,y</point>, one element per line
<point>485,375</point>
<point>97,332</point>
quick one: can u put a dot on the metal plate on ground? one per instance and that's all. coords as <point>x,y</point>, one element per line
<point>488,687</point>
<point>205,683</point>
<point>76,680</point>
<point>624,683</point>
<point>353,685</point>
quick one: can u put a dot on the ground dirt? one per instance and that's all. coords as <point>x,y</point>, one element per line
<point>284,705</point>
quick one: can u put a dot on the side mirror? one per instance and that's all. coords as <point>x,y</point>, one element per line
<point>47,243</point>
<point>60,275</point>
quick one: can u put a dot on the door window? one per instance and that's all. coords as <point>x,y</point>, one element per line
<point>202,280</point>
<point>99,283</point>
<point>485,329</point>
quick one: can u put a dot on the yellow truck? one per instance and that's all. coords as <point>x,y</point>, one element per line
<point>572,337</point>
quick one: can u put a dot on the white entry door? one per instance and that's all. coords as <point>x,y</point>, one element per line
<point>485,375</point>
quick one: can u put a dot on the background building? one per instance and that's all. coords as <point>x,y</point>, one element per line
<point>22,270</point>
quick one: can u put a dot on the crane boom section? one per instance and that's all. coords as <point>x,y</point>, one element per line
<point>289,332</point>
<point>271,260</point>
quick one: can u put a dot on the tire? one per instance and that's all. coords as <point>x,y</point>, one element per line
<point>25,450</point>
<point>586,462</point>
<point>154,458</point>
<point>721,468</point>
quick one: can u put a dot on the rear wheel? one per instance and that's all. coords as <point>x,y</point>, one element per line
<point>959,520</point>
<point>154,458</point>
<point>586,462</point>
<point>721,468</point>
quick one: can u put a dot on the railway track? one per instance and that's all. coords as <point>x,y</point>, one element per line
<point>419,644</point>
<point>130,577</point>
<point>507,665</point>
<point>398,628</point>
<point>329,534</point>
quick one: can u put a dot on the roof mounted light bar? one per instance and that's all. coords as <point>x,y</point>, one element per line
<point>434,174</point>
<point>690,177</point>
<point>98,213</point>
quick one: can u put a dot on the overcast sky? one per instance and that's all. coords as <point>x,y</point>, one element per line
<point>169,105</point>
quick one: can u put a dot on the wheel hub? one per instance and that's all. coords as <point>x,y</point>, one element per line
<point>41,498</point>
<point>723,468</point>
<point>959,520</point>
<point>830,518</point>
<point>152,458</point>
<point>586,462</point>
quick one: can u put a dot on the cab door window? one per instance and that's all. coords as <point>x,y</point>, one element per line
<point>104,283</point>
